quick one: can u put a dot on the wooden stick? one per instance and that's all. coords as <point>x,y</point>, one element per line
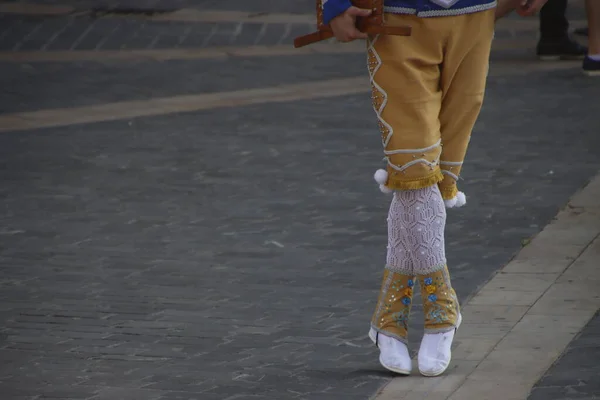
<point>372,30</point>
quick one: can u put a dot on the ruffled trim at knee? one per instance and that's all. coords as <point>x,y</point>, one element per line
<point>381,177</point>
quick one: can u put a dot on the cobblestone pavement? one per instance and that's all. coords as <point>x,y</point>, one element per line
<point>235,253</point>
<point>297,6</point>
<point>92,31</point>
<point>105,33</point>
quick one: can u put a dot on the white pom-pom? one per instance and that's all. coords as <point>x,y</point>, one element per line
<point>381,176</point>
<point>385,189</point>
<point>457,201</point>
<point>450,203</point>
<point>461,199</point>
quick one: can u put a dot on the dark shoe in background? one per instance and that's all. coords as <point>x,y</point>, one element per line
<point>591,67</point>
<point>560,49</point>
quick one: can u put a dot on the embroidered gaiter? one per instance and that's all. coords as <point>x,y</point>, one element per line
<point>416,223</point>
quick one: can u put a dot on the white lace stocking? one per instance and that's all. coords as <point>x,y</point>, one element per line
<point>416,223</point>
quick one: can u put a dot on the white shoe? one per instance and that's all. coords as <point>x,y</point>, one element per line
<point>435,352</point>
<point>394,354</point>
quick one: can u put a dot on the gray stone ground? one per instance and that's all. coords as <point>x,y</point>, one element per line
<point>296,6</point>
<point>89,33</point>
<point>102,33</point>
<point>236,253</point>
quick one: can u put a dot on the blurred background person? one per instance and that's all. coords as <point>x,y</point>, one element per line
<point>591,63</point>
<point>555,42</point>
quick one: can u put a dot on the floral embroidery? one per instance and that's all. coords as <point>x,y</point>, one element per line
<point>408,292</point>
<point>439,301</point>
<point>397,285</point>
<point>406,301</point>
<point>387,307</point>
<point>437,314</point>
<point>401,318</point>
<point>411,283</point>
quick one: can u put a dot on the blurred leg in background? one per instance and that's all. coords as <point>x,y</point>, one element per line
<point>591,63</point>
<point>555,43</point>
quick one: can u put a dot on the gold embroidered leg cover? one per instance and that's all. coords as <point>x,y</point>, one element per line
<point>393,307</point>
<point>440,303</point>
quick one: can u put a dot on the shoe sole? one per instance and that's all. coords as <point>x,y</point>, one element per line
<point>425,374</point>
<point>396,370</point>
<point>373,336</point>
<point>431,375</point>
<point>592,73</point>
<point>561,58</point>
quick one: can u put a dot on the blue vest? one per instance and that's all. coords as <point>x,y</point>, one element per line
<point>420,8</point>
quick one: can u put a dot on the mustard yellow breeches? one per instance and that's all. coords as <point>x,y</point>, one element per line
<point>428,89</point>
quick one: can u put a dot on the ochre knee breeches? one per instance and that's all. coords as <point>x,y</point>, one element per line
<point>427,92</point>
